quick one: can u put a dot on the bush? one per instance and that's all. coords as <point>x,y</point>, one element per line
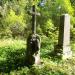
<point>46,46</point>
<point>48,68</point>
<point>12,54</point>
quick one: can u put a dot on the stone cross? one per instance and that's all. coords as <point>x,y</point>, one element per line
<point>34,14</point>
<point>33,42</point>
<point>63,48</point>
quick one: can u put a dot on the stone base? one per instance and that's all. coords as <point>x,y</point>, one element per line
<point>63,52</point>
<point>32,59</point>
<point>67,53</point>
<point>37,58</point>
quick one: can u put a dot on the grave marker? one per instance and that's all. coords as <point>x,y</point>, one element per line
<point>33,42</point>
<point>63,47</point>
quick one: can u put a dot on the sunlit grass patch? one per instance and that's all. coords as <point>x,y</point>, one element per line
<point>12,53</point>
<point>11,42</point>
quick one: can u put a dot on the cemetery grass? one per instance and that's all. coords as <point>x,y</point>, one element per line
<point>12,56</point>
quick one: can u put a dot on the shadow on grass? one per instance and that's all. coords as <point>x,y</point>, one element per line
<point>14,60</point>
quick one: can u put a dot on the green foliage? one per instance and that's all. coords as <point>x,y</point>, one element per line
<point>46,46</point>
<point>15,22</point>
<point>49,29</point>
<point>47,68</point>
<point>73,28</point>
<point>12,54</point>
<point>12,18</point>
<point>67,4</point>
<point>13,13</point>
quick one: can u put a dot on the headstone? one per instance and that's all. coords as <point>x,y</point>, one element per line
<point>33,42</point>
<point>63,48</point>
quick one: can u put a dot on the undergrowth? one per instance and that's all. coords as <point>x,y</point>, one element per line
<point>12,56</point>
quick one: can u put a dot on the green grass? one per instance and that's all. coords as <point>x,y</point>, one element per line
<point>47,68</point>
<point>12,56</point>
<point>10,46</point>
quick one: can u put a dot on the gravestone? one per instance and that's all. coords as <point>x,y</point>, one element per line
<point>33,42</point>
<point>63,48</point>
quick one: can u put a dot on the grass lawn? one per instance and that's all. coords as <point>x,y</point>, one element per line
<point>12,56</point>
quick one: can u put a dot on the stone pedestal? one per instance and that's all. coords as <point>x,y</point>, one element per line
<point>67,53</point>
<point>63,47</point>
<point>33,50</point>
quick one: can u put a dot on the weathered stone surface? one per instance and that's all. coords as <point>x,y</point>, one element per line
<point>34,14</point>
<point>33,42</point>
<point>33,49</point>
<point>64,37</point>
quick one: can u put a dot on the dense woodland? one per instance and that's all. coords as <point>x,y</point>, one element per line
<point>15,26</point>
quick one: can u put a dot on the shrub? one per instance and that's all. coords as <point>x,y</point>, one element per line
<point>46,46</point>
<point>12,54</point>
